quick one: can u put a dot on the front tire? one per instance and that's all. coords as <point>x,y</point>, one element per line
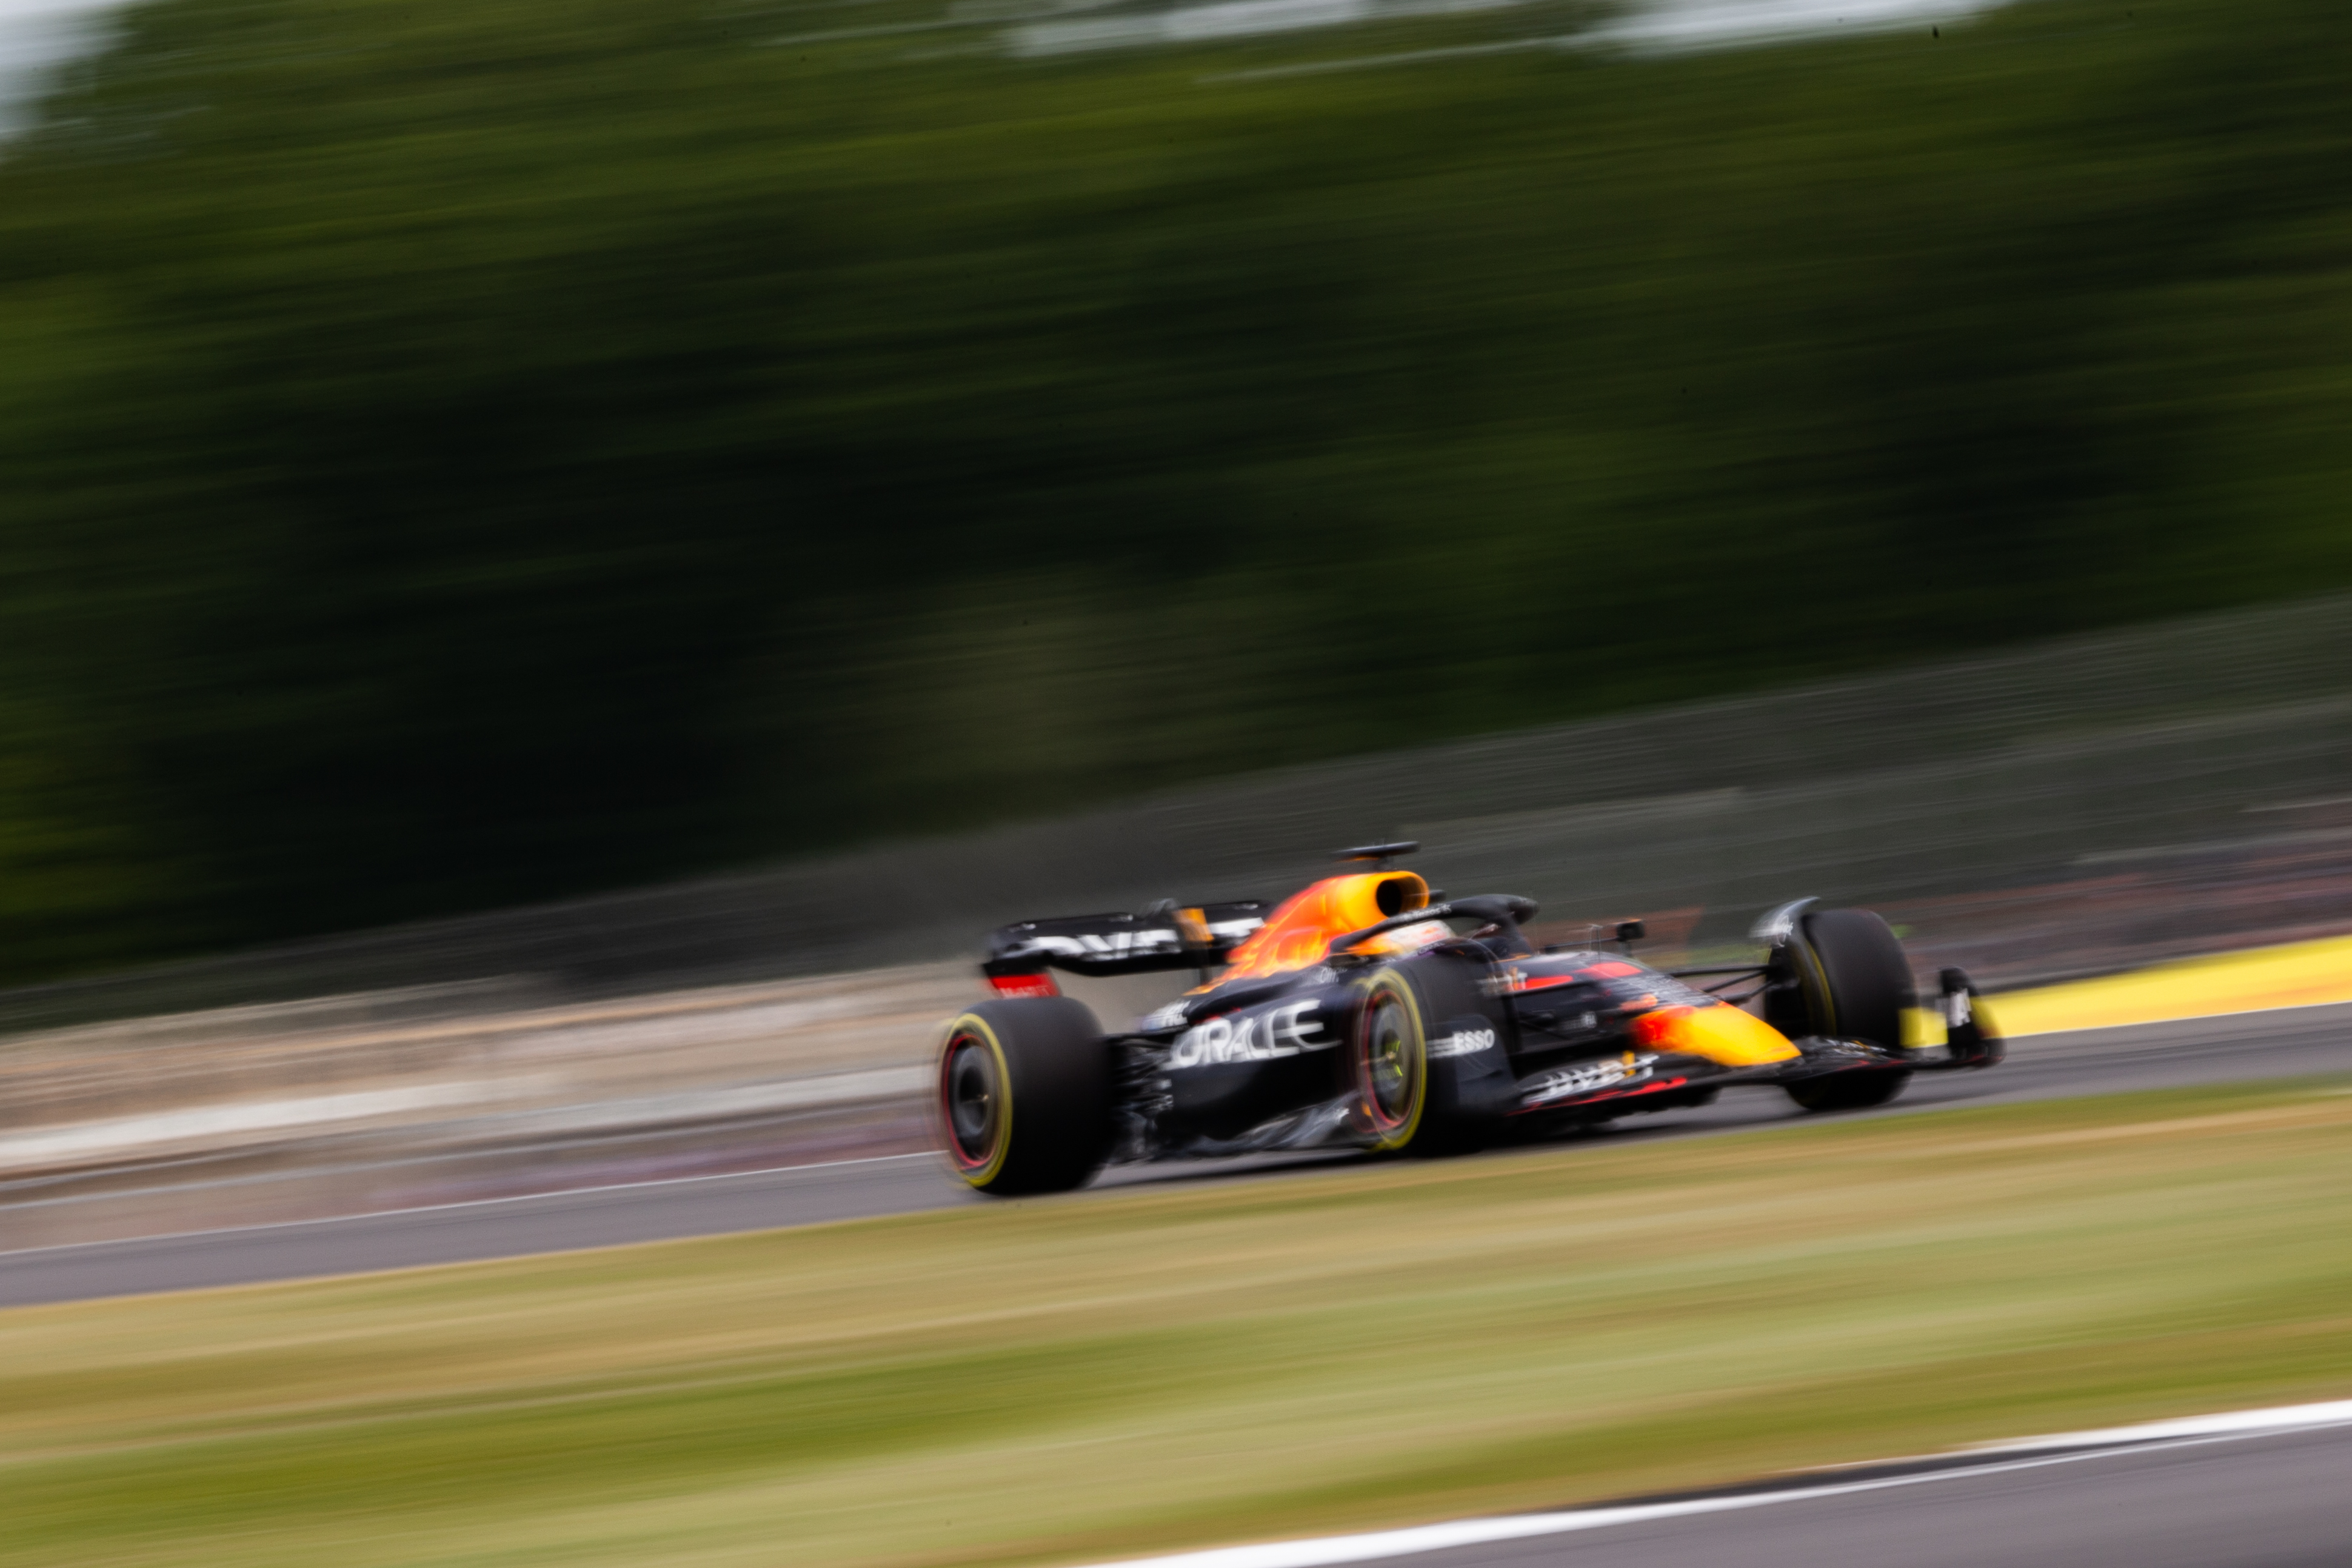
<point>1405,1106</point>
<point>1860,1090</point>
<point>1024,1095</point>
<point>1856,983</point>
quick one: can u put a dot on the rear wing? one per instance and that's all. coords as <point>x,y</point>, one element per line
<point>1165,936</point>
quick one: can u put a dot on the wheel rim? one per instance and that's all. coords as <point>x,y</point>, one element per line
<point>1391,1066</point>
<point>971,1101</point>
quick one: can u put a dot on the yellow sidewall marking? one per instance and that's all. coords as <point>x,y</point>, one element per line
<point>973,1026</point>
<point>1397,987</point>
<point>1819,987</point>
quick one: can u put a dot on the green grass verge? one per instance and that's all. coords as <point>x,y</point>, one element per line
<point>1200,1363</point>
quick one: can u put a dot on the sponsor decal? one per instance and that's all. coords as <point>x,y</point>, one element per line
<point>1672,993</point>
<point>1143,939</point>
<point>1170,1017</point>
<point>1515,979</point>
<point>1568,1082</point>
<point>1462,1042</point>
<point>1631,987</point>
<point>1957,1009</point>
<point>1541,982</point>
<point>1025,985</point>
<point>1287,1030</point>
<point>1111,944</point>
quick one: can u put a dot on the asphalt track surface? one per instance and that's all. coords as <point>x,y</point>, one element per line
<point>2265,1502</point>
<point>2304,1041</point>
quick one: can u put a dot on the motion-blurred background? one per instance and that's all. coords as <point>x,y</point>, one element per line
<point>644,497</point>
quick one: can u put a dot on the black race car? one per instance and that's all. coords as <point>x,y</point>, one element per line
<point>1359,1012</point>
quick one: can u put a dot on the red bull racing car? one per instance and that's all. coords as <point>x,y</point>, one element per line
<point>1362,1013</point>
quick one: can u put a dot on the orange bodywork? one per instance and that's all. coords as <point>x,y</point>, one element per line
<point>1299,931</point>
<point>1721,1033</point>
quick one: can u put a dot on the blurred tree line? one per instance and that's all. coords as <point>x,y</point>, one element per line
<point>454,453</point>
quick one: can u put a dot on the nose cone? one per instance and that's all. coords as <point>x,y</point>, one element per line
<point>1721,1033</point>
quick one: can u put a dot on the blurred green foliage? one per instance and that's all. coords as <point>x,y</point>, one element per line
<point>456,454</point>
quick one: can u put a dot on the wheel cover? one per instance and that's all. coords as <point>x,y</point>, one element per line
<point>971,1104</point>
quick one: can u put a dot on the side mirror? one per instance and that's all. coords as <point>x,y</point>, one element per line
<point>1631,931</point>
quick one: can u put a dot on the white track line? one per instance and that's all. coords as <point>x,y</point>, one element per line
<point>2228,1424</point>
<point>2233,1427</point>
<point>378,1214</point>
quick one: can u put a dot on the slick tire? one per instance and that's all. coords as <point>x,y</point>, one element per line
<point>1857,984</point>
<point>1403,1103</point>
<point>1024,1095</point>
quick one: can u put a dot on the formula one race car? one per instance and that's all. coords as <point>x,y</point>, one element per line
<point>1360,1013</point>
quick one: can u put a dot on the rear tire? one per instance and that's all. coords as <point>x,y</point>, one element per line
<point>1023,1097</point>
<point>1857,985</point>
